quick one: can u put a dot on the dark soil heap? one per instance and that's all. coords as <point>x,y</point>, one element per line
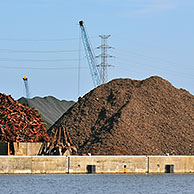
<point>130,117</point>
<point>19,123</point>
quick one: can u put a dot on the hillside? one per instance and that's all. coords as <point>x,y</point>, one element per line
<point>49,107</point>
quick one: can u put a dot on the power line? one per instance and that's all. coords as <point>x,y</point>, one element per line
<point>37,51</point>
<point>152,58</point>
<point>79,63</point>
<point>150,68</point>
<point>37,60</point>
<point>40,40</point>
<point>37,40</point>
<point>42,68</point>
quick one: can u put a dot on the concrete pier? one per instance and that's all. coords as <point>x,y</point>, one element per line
<point>95,164</point>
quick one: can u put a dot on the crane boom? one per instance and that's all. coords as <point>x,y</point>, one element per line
<point>26,86</point>
<point>90,55</point>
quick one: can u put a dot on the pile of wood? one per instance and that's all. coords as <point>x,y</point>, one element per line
<point>19,123</point>
<point>131,117</point>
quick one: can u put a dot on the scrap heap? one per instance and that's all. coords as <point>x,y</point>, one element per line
<point>19,123</point>
<point>131,117</point>
<point>60,143</point>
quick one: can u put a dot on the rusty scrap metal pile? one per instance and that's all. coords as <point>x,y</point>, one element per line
<point>19,123</point>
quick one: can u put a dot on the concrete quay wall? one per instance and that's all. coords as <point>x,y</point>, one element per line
<point>101,164</point>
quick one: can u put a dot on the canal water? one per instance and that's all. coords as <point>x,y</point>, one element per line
<point>97,184</point>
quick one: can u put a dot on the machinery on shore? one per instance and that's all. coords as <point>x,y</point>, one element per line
<point>90,55</point>
<point>26,86</point>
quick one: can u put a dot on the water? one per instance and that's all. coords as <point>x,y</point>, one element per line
<point>97,184</point>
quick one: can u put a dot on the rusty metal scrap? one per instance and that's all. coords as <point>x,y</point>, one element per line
<point>19,123</point>
<point>60,143</point>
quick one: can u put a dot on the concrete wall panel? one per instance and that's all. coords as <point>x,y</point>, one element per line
<point>108,164</point>
<point>182,164</point>
<point>49,165</point>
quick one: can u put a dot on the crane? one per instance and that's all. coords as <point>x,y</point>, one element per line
<point>26,86</point>
<point>90,55</point>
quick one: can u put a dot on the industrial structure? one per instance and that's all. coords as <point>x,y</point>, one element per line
<point>98,72</point>
<point>103,66</point>
<point>90,55</point>
<point>26,86</point>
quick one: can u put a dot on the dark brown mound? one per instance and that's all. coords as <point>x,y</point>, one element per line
<point>19,123</point>
<point>130,117</point>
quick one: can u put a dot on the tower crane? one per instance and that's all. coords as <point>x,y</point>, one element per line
<point>26,86</point>
<point>90,55</point>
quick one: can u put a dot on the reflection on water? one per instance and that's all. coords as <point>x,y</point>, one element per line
<point>97,184</point>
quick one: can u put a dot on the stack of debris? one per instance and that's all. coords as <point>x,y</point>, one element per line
<point>131,117</point>
<point>19,123</point>
<point>60,143</point>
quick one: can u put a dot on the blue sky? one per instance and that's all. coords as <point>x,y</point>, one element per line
<point>150,37</point>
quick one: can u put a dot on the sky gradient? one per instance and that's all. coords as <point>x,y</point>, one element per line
<point>40,39</point>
